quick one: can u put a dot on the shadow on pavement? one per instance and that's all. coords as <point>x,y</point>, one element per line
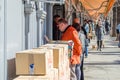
<point>104,63</point>
<point>105,53</point>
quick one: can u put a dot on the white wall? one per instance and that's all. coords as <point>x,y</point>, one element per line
<point>15,33</point>
<point>14,27</point>
<point>2,65</point>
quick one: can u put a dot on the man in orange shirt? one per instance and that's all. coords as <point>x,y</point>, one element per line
<point>70,33</point>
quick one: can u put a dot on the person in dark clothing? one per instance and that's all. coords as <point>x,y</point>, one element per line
<point>99,35</point>
<point>86,32</point>
<point>56,31</point>
<point>83,29</point>
<point>107,27</point>
<point>82,39</point>
<point>82,36</point>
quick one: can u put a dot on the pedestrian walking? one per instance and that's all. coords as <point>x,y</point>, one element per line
<point>99,34</point>
<point>86,32</point>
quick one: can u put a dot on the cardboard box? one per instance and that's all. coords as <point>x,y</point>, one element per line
<point>65,59</point>
<point>23,61</point>
<point>55,71</point>
<point>32,78</point>
<point>70,44</point>
<point>64,47</point>
<point>28,78</point>
<point>40,59</point>
<point>50,55</point>
<point>49,76</point>
<point>24,78</point>
<point>65,50</point>
<point>68,74</point>
<point>67,71</point>
<point>62,73</point>
<point>57,55</point>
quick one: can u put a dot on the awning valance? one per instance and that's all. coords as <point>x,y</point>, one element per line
<point>96,7</point>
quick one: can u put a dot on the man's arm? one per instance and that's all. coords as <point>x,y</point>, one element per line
<point>77,43</point>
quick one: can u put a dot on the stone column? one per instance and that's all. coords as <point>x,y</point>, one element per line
<point>118,15</point>
<point>114,21</point>
<point>49,20</point>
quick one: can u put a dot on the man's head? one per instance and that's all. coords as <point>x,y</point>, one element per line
<point>76,20</point>
<point>62,24</point>
<point>77,26</point>
<point>85,21</point>
<point>56,18</point>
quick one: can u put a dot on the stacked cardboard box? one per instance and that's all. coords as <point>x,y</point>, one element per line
<point>40,59</point>
<point>55,74</point>
<point>63,69</point>
<point>58,56</point>
<point>50,55</point>
<point>64,47</point>
<point>49,62</point>
<point>22,62</point>
<point>49,76</point>
<point>70,44</point>
<point>32,78</point>
<point>67,56</point>
<point>66,69</point>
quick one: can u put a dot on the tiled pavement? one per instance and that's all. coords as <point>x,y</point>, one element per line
<point>105,64</point>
